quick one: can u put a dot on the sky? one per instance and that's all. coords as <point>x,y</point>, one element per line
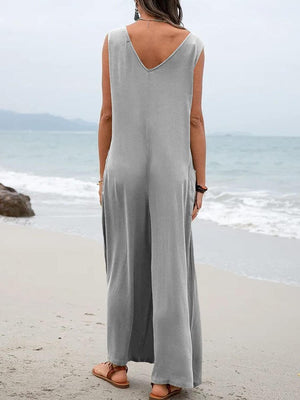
<point>51,59</point>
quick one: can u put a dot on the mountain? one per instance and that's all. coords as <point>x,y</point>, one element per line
<point>10,120</point>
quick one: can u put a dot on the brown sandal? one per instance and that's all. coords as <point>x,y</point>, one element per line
<point>113,368</point>
<point>169,394</point>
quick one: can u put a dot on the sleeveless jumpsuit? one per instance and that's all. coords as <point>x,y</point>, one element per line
<point>148,195</point>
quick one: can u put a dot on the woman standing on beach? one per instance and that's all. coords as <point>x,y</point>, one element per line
<point>152,160</point>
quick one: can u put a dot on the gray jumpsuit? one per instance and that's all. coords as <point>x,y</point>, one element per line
<point>147,200</point>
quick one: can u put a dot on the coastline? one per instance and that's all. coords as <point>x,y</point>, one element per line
<point>250,254</point>
<point>53,307</point>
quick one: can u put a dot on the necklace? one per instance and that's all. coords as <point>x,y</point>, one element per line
<point>159,20</point>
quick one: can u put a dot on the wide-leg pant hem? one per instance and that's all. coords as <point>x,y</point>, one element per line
<point>176,382</point>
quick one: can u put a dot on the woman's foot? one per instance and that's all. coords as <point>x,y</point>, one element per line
<point>162,390</point>
<point>112,373</point>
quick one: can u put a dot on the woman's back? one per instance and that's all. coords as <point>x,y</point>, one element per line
<point>155,43</point>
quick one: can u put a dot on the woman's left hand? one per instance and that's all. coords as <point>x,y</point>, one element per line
<point>100,193</point>
<point>197,204</point>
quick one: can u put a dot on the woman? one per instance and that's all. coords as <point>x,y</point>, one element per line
<point>152,164</point>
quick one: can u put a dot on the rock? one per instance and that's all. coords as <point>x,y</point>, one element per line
<point>14,204</point>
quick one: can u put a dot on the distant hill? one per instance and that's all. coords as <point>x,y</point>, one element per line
<point>10,120</point>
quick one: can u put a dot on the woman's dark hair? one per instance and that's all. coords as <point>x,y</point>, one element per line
<point>168,10</point>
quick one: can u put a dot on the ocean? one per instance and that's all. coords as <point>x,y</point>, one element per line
<point>253,182</point>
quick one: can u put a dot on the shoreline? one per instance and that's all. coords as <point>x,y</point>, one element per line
<point>53,307</point>
<point>238,250</point>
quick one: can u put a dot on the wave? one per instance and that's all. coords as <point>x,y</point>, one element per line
<point>62,186</point>
<point>257,211</point>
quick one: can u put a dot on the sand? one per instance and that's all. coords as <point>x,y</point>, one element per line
<point>53,326</point>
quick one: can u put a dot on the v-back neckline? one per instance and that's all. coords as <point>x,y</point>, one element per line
<point>164,61</point>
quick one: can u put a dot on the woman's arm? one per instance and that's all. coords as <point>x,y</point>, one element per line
<point>197,131</point>
<point>105,121</point>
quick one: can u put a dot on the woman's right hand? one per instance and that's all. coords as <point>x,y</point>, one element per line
<point>197,204</point>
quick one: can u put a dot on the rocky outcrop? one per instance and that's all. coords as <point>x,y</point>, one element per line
<point>14,204</point>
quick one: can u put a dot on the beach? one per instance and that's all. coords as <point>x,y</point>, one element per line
<point>53,313</point>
